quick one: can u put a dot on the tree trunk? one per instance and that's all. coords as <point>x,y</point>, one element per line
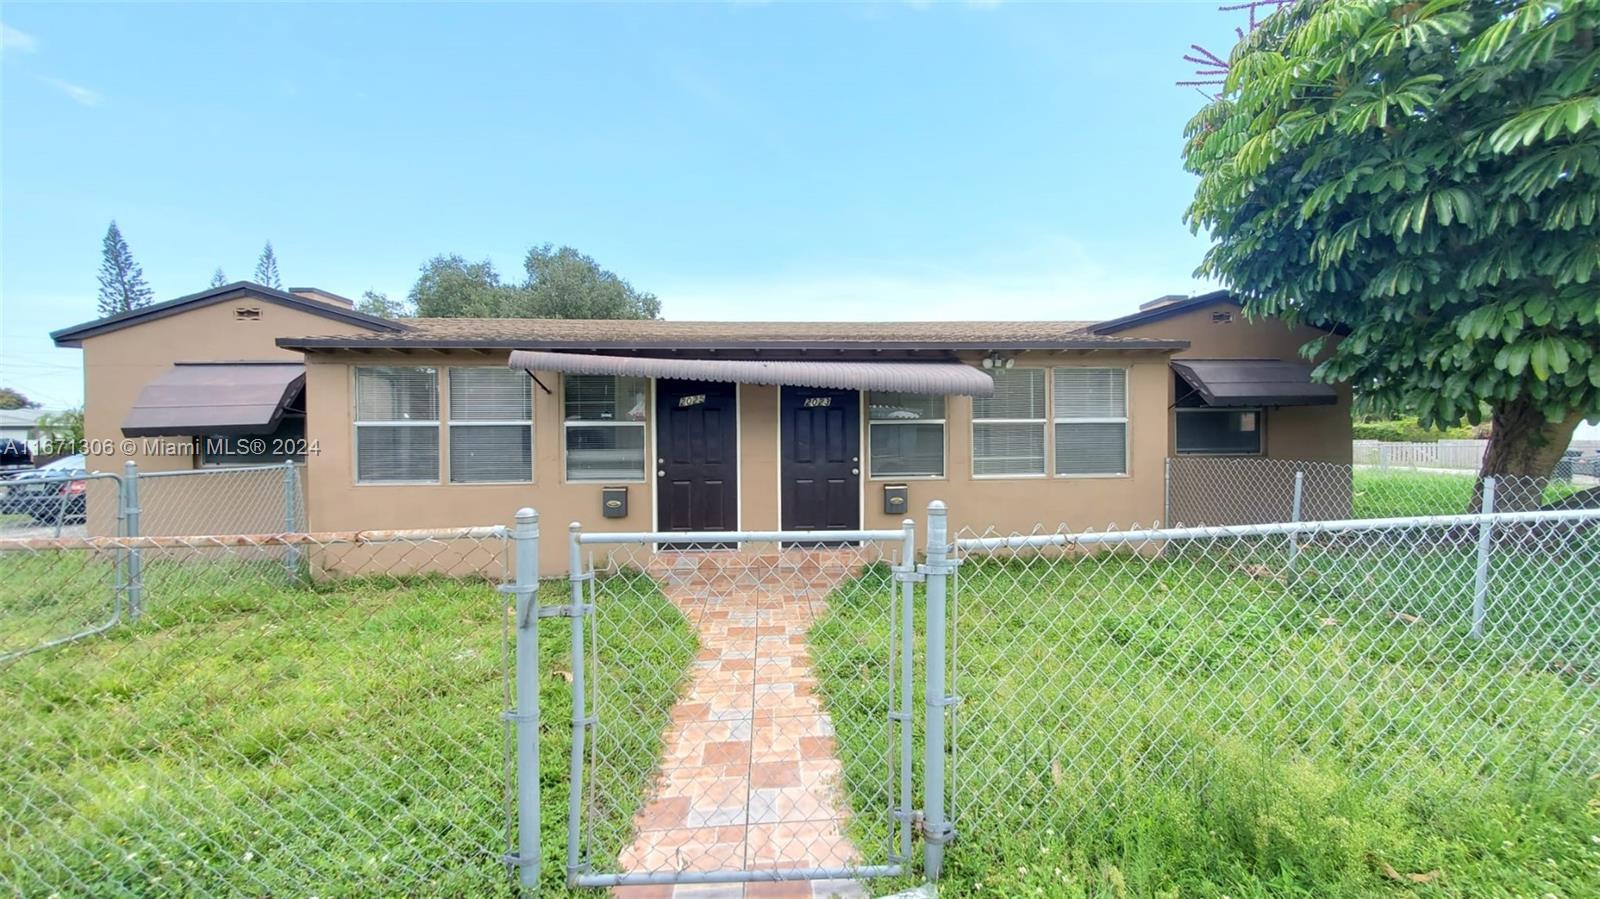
<point>1523,450</point>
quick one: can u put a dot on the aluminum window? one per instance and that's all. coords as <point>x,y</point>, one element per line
<point>286,443</point>
<point>491,426</point>
<point>1090,407</point>
<point>1008,429</point>
<point>1219,432</point>
<point>905,435</point>
<point>603,427</point>
<point>397,425</point>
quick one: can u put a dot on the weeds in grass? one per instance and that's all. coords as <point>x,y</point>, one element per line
<point>251,734</point>
<point>1185,725</point>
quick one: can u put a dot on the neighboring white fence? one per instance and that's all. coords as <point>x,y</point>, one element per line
<point>1462,454</point>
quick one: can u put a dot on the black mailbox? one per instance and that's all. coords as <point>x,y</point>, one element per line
<point>613,502</point>
<point>896,499</point>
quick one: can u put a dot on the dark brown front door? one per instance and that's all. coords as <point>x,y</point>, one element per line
<point>821,459</point>
<point>696,456</point>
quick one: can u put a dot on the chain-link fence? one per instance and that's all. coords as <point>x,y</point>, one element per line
<point>274,715</point>
<point>257,499</point>
<point>1337,693</point>
<point>748,734</point>
<point>59,502</point>
<point>1228,491</point>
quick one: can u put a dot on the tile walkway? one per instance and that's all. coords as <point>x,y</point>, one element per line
<point>749,777</point>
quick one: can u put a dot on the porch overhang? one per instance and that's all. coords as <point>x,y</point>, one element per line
<point>1253,382</point>
<point>944,378</point>
<point>222,398</point>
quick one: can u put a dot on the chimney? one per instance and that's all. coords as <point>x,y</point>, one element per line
<point>1167,300</point>
<point>322,296</point>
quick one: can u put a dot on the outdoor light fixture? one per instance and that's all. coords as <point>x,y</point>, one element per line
<point>995,360</point>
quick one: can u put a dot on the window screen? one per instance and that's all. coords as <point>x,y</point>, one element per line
<point>905,435</point>
<point>1008,428</point>
<point>1219,431</point>
<point>1091,420</point>
<point>287,443</point>
<point>397,424</point>
<point>603,428</point>
<point>491,425</point>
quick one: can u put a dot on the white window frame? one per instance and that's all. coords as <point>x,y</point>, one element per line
<point>1044,423</point>
<point>1261,430</point>
<point>1126,420</point>
<point>944,440</point>
<point>451,423</point>
<point>355,444</point>
<point>643,425</point>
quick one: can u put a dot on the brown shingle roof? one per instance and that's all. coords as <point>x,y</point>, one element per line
<point>584,334</point>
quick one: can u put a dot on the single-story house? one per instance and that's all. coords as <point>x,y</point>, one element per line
<point>680,425</point>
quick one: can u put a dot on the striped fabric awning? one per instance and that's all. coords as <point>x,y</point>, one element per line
<point>944,378</point>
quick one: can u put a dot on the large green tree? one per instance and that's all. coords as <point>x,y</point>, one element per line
<point>560,283</point>
<point>11,398</point>
<point>122,284</point>
<point>1426,177</point>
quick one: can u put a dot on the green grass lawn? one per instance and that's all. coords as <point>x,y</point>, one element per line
<point>1184,726</point>
<point>1398,493</point>
<point>252,736</point>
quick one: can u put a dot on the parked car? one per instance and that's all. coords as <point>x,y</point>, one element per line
<point>15,458</point>
<point>54,494</point>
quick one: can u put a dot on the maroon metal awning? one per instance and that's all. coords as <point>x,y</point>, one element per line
<point>944,378</point>
<point>224,398</point>
<point>1254,382</point>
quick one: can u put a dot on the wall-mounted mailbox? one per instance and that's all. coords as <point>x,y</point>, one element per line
<point>896,499</point>
<point>613,502</point>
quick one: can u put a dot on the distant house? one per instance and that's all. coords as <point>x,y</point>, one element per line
<point>21,424</point>
<point>677,425</point>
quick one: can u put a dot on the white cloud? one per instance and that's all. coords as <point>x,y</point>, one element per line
<point>14,41</point>
<point>76,92</point>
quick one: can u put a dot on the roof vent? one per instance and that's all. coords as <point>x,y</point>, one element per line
<point>319,295</point>
<point>1167,300</point>
<point>247,313</point>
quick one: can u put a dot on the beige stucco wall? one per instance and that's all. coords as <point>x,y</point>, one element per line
<point>1306,433</point>
<point>337,502</point>
<point>1251,489</point>
<point>117,365</point>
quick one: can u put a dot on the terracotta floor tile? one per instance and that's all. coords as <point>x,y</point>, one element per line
<point>748,776</point>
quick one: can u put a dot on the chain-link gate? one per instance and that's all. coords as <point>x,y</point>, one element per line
<point>727,724</point>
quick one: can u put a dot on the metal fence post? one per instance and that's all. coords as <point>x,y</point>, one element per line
<point>581,721</point>
<point>130,513</point>
<point>291,516</point>
<point>936,830</point>
<point>526,590</point>
<point>1166,493</point>
<point>907,642</point>
<point>1294,517</point>
<point>1480,581</point>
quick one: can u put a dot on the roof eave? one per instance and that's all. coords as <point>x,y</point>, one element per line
<point>75,335</point>
<point>401,343</point>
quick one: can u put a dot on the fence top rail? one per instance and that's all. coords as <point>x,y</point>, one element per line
<point>1303,528</point>
<point>613,537</point>
<point>223,541</point>
<point>220,469</point>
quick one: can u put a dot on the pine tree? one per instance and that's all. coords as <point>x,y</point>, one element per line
<point>122,284</point>
<point>267,268</point>
<point>218,278</point>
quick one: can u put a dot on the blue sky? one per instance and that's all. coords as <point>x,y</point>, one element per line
<point>740,160</point>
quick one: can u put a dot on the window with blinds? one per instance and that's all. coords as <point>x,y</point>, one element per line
<point>397,425</point>
<point>905,435</point>
<point>1090,407</point>
<point>491,426</point>
<point>1008,428</point>
<point>603,427</point>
